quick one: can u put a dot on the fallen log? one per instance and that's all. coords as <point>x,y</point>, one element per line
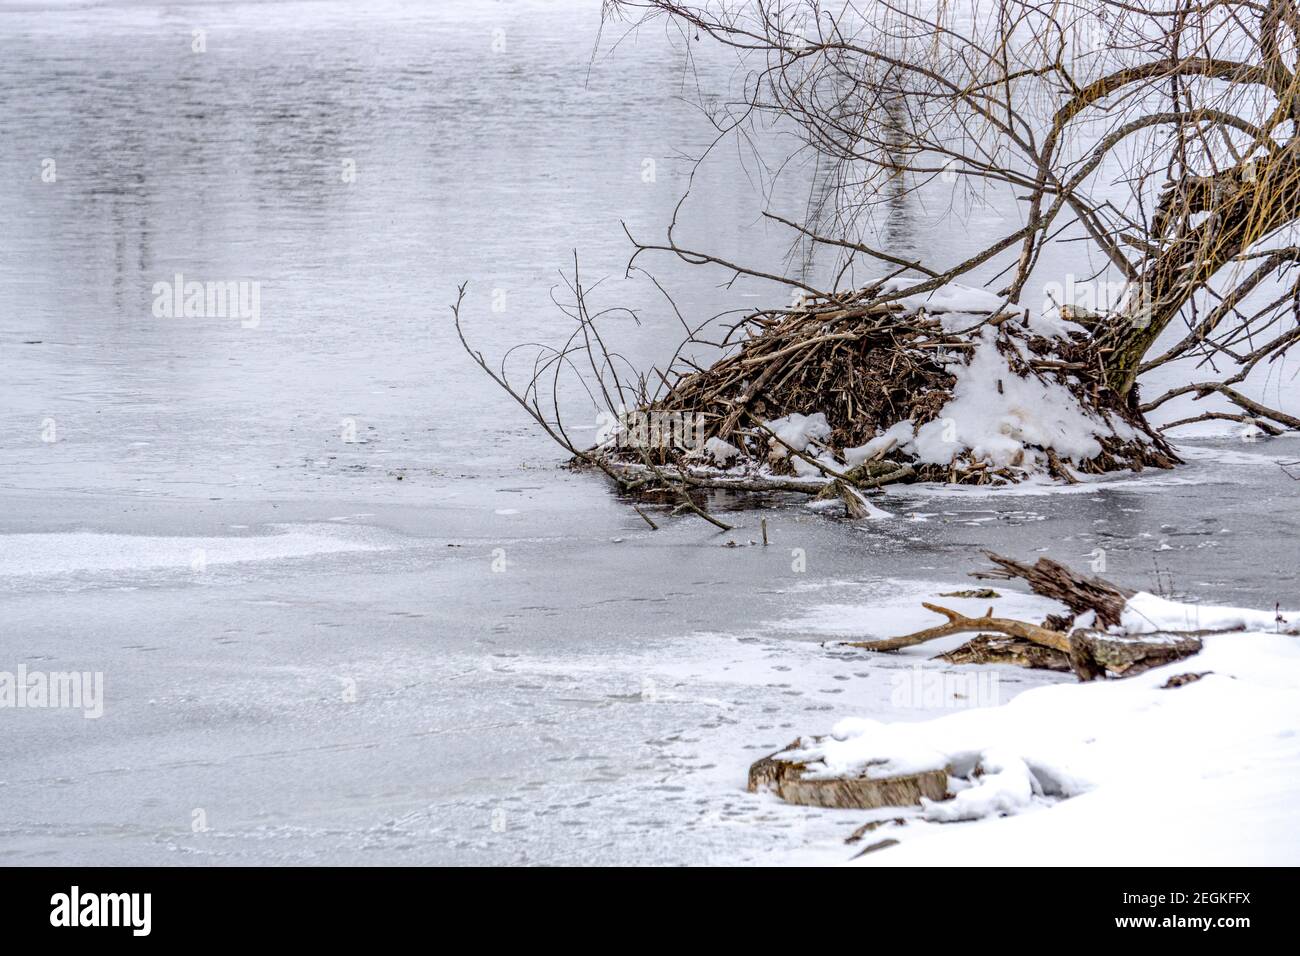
<point>1096,654</point>
<point>786,779</point>
<point>1000,649</point>
<point>1054,580</point>
<point>760,483</point>
<point>1089,653</point>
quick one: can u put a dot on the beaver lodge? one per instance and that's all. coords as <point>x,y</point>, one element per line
<point>841,396</point>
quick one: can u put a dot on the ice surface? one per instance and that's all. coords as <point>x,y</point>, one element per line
<point>322,663</point>
<point>44,554</point>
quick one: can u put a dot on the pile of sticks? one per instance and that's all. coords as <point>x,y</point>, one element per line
<point>863,359</point>
<point>862,365</point>
<point>867,365</point>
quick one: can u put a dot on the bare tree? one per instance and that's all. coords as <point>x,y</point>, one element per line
<point>1164,138</point>
<point>1047,99</point>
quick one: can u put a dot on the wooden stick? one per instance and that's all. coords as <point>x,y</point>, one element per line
<point>960,624</point>
<point>689,505</point>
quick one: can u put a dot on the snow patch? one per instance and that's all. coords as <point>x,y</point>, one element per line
<point>798,431</point>
<point>1000,417</point>
<point>720,453</point>
<point>952,297</point>
<point>31,555</point>
<point>901,433</point>
<point>1145,613</point>
<point>1219,757</point>
<point>996,414</point>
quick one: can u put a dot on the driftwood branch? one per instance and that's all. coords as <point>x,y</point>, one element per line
<point>961,624</point>
<point>1090,653</point>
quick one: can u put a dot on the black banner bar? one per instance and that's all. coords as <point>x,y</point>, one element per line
<point>333,906</point>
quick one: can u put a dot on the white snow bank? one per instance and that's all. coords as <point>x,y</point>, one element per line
<point>1145,613</point>
<point>1006,785</point>
<point>1208,772</point>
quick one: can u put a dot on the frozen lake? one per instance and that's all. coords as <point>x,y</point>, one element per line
<point>308,660</point>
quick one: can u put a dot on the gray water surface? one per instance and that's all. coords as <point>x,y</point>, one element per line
<point>492,659</point>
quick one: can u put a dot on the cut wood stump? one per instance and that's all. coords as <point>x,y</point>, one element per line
<point>786,779</point>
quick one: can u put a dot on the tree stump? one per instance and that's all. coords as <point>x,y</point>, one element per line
<point>786,779</point>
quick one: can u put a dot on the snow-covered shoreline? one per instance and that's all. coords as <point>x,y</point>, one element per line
<point>608,727</point>
<point>1196,762</point>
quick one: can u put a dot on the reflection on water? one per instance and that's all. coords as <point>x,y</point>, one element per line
<point>355,164</point>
